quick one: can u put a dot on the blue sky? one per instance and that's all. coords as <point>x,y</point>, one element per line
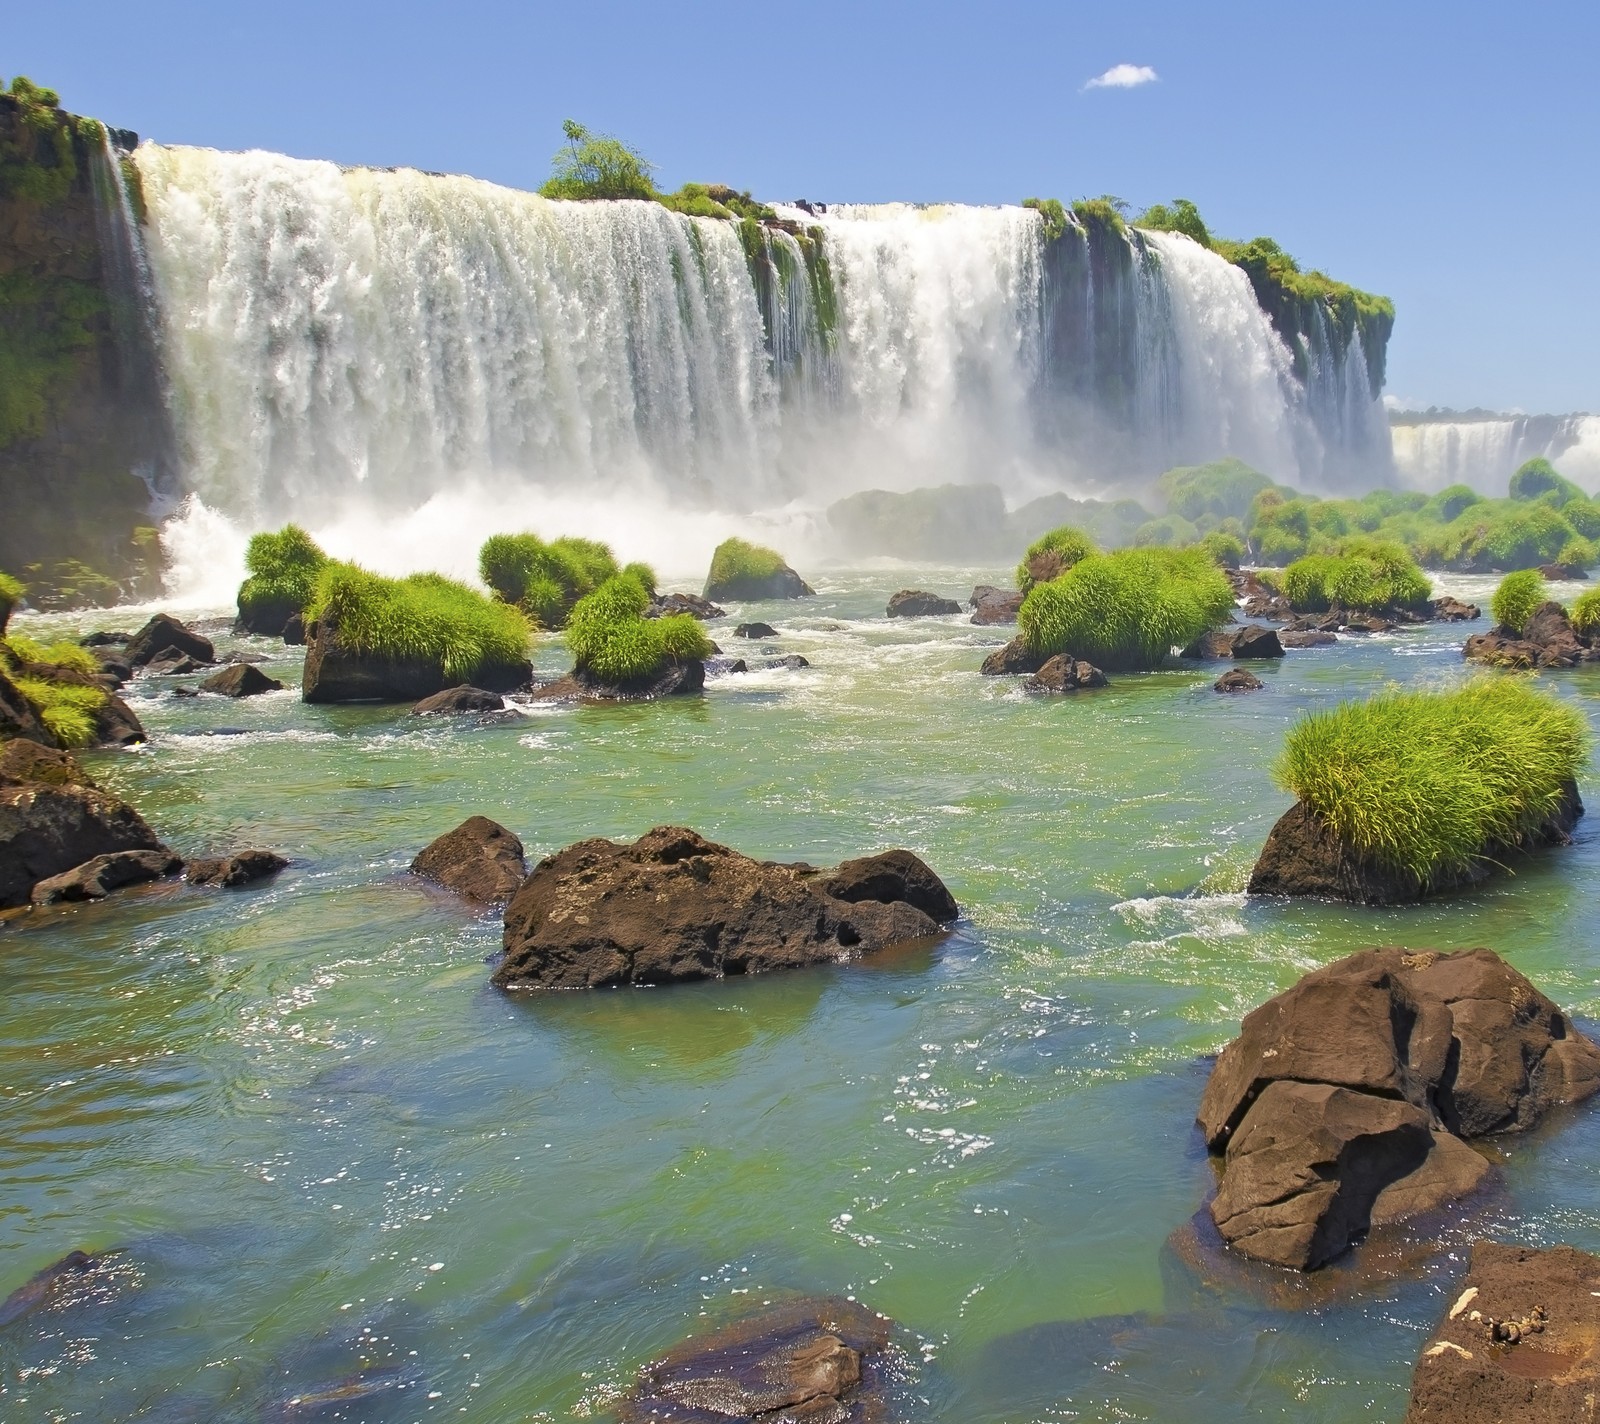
<point>1442,154</point>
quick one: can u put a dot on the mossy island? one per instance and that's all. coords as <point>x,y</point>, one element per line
<point>545,580</point>
<point>283,569</point>
<point>746,572</point>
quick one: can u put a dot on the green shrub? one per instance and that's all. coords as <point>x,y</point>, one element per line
<point>1171,531</point>
<point>1584,517</point>
<point>69,710</point>
<point>544,580</point>
<point>1578,553</point>
<point>737,559</point>
<point>1586,612</point>
<point>1365,574</point>
<point>1179,216</point>
<point>1504,534</point>
<point>1224,548</point>
<point>1067,544</point>
<point>1537,477</point>
<point>1127,610</point>
<point>283,569</point>
<point>1431,782</point>
<point>1516,598</point>
<point>610,638</point>
<point>423,617</point>
<point>1451,502</point>
<point>1051,214</point>
<point>598,166</point>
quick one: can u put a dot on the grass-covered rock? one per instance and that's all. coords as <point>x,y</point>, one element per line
<point>1367,575</point>
<point>1539,479</point>
<point>544,579</point>
<point>282,569</point>
<point>1127,610</point>
<point>1516,598</point>
<point>1052,554</point>
<point>745,571</point>
<point>1411,792</point>
<point>615,646</point>
<point>56,695</point>
<point>376,639</point>
<point>1586,613</point>
<point>11,591</point>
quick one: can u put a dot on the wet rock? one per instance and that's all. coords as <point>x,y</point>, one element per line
<point>1253,641</point>
<point>724,667</point>
<point>266,617</point>
<point>1520,1341</point>
<point>791,662</point>
<point>785,583</point>
<point>480,860</point>
<point>1316,623</point>
<point>164,634</point>
<point>692,604</point>
<point>174,664</point>
<point>294,631</point>
<point>240,680</point>
<point>465,698</point>
<point>674,906</point>
<point>1303,856</point>
<point>1012,660</point>
<point>674,680</point>
<point>337,673</point>
<point>185,692</point>
<point>116,666</point>
<point>1237,680</point>
<point>24,762</point>
<point>45,1286</point>
<point>1345,1100</point>
<point>116,725</point>
<point>755,630</point>
<point>1365,623</point>
<point>17,717</point>
<point>1271,606</point>
<point>915,603</point>
<point>1308,639</point>
<point>104,639</point>
<point>1563,573</point>
<point>1064,673</point>
<point>1453,610</point>
<point>97,878</point>
<point>1548,640</point>
<point>230,872</point>
<point>47,829</point>
<point>239,656</point>
<point>813,1361</point>
<point>992,606</point>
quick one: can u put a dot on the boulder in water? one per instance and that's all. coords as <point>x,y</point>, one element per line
<point>1547,640</point>
<point>480,860</point>
<point>746,572</point>
<point>46,829</point>
<point>1306,639</point>
<point>1012,660</point>
<point>1237,680</point>
<point>294,631</point>
<point>244,867</point>
<point>335,672</point>
<point>97,878</point>
<point>1065,673</point>
<point>675,679</point>
<point>674,906</point>
<point>992,606</point>
<point>23,762</point>
<point>755,630</point>
<point>240,680</point>
<point>1250,641</point>
<point>666,604</point>
<point>459,699</point>
<point>914,603</point>
<point>1453,610</point>
<point>165,634</point>
<point>790,662</point>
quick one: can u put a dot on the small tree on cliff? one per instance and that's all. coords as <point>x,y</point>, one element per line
<point>598,166</point>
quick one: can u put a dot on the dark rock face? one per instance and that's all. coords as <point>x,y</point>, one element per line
<point>914,603</point>
<point>268,618</point>
<point>1064,673</point>
<point>114,665</point>
<point>1272,606</point>
<point>785,583</point>
<point>1344,1101</point>
<point>241,680</point>
<point>812,1361</point>
<point>1548,641</point>
<point>1015,658</point>
<point>459,699</point>
<point>1562,573</point>
<point>1521,1341</point>
<point>480,860</point>
<point>230,872</point>
<point>47,829</point>
<point>580,685</point>
<point>725,667</point>
<point>992,606</point>
<point>674,906</point>
<point>17,717</point>
<point>294,631</point>
<point>97,878</point>
<point>755,630</point>
<point>172,663</point>
<point>336,673</point>
<point>1303,856</point>
<point>792,662</point>
<point>692,604</point>
<point>1250,641</point>
<point>24,762</point>
<point>1307,639</point>
<point>163,634</point>
<point>104,638</point>
<point>117,726</point>
<point>1453,610</point>
<point>1237,680</point>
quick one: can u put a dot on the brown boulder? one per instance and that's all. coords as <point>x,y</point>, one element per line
<point>812,1361</point>
<point>580,685</point>
<point>991,606</point>
<point>116,726</point>
<point>1237,680</point>
<point>335,672</point>
<point>1520,1341</point>
<point>1547,640</point>
<point>914,603</point>
<point>1013,659</point>
<point>164,634</point>
<point>241,680</point>
<point>674,906</point>
<point>1453,610</point>
<point>22,762</point>
<point>459,699</point>
<point>1064,673</point>
<point>17,717</point>
<point>692,604</point>
<point>97,878</point>
<point>230,872</point>
<point>1290,638</point>
<point>45,830</point>
<point>755,630</point>
<point>480,860</point>
<point>1272,606</point>
<point>1563,573</point>
<point>1253,641</point>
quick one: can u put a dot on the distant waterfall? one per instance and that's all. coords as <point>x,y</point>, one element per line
<point>1485,450</point>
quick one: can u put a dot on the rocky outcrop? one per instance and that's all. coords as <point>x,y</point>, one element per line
<point>1291,638</point>
<point>244,867</point>
<point>665,604</point>
<point>455,700</point>
<point>1250,641</point>
<point>755,630</point>
<point>1064,673</point>
<point>17,717</point>
<point>240,680</point>
<point>1453,610</point>
<point>46,829</point>
<point>750,588</point>
<point>480,860</point>
<point>22,762</point>
<point>294,632</point>
<point>1563,573</point>
<point>1520,1341</point>
<point>1303,856</point>
<point>1237,680</point>
<point>1013,659</point>
<point>164,634</point>
<point>1344,1102</point>
<point>815,1361</point>
<point>675,679</point>
<point>791,662</point>
<point>266,617</point>
<point>1548,640</point>
<point>992,606</point>
<point>674,906</point>
<point>97,878</point>
<point>915,603</point>
<point>335,672</point>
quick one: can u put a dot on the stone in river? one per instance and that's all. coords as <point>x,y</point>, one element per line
<point>241,680</point>
<point>914,603</point>
<point>480,860</point>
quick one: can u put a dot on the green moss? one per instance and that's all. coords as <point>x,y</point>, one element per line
<point>612,640</point>
<point>1365,574</point>
<point>424,617</point>
<point>1068,544</point>
<point>1052,216</point>
<point>47,328</point>
<point>1538,477</point>
<point>544,580</point>
<point>1224,488</point>
<point>1516,598</point>
<point>70,583</point>
<point>736,560</point>
<point>1431,782</point>
<point>1128,609</point>
<point>1103,212</point>
<point>283,569</point>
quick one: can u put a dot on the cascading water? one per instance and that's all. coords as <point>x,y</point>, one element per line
<point>1484,451</point>
<point>405,362</point>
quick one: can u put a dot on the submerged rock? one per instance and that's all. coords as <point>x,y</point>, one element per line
<point>1303,856</point>
<point>755,630</point>
<point>480,860</point>
<point>465,698</point>
<point>164,634</point>
<point>1453,610</point>
<point>1237,680</point>
<point>814,1361</point>
<point>1013,659</point>
<point>1064,673</point>
<point>914,603</point>
<point>724,667</point>
<point>1520,1341</point>
<point>244,867</point>
<point>97,878</point>
<point>1344,1100</point>
<point>992,606</point>
<point>47,829</point>
<point>791,662</point>
<point>674,906</point>
<point>43,1288</point>
<point>337,673</point>
<point>241,680</point>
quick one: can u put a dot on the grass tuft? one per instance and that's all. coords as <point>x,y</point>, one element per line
<point>67,709</point>
<point>736,559</point>
<point>1068,543</point>
<point>283,570</point>
<point>1516,598</point>
<point>544,580</point>
<point>610,637</point>
<point>1432,782</point>
<point>64,653</point>
<point>1367,574</point>
<point>1586,612</point>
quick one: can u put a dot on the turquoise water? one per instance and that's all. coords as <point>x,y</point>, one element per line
<point>325,1145</point>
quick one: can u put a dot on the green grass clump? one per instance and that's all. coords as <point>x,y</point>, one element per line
<point>1224,488</point>
<point>1127,610</point>
<point>423,617</point>
<point>1052,216</point>
<point>1224,548</point>
<point>1068,543</point>
<point>11,591</point>
<point>736,560</point>
<point>68,710</point>
<point>1431,782</point>
<point>1538,477</point>
<point>1365,574</point>
<point>1172,531</point>
<point>283,569</point>
<point>64,653</point>
<point>1585,613</point>
<point>544,580</point>
<point>611,639</point>
<point>1516,598</point>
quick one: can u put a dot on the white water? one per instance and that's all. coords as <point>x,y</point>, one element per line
<point>406,363</point>
<point>1485,453</point>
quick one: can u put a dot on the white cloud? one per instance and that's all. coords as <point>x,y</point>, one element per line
<point>1124,76</point>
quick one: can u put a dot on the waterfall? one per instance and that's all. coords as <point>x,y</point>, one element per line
<point>1484,450</point>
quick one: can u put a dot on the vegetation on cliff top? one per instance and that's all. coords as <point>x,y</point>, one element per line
<point>544,579</point>
<point>611,639</point>
<point>423,617</point>
<point>1516,598</point>
<point>1432,782</point>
